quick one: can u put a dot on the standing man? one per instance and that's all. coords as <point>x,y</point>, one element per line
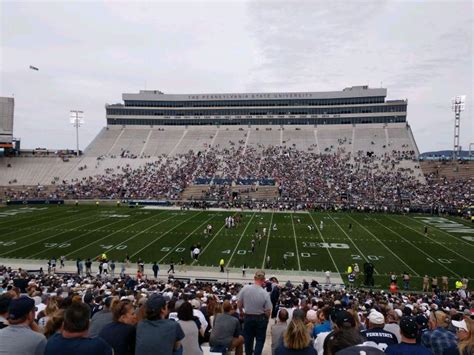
<point>22,336</point>
<point>351,279</point>
<point>171,269</point>
<point>196,253</point>
<point>221,264</point>
<point>112,268</point>
<point>434,284</point>
<point>255,309</point>
<point>426,281</point>
<point>444,283</point>
<point>105,267</point>
<point>78,266</point>
<point>369,273</point>
<point>269,262</point>
<point>155,269</point>
<point>406,280</point>
<point>88,267</point>
<point>328,277</point>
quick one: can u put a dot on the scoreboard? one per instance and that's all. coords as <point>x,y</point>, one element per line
<point>6,121</point>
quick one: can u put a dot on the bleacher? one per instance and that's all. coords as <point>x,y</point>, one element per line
<point>115,147</point>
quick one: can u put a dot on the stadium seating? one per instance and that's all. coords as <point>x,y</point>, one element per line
<point>192,162</point>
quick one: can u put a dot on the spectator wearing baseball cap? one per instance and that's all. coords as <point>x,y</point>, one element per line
<point>344,335</point>
<point>376,333</point>
<point>255,308</point>
<point>422,323</point>
<point>409,332</point>
<point>155,334</point>
<point>74,339</point>
<point>19,338</point>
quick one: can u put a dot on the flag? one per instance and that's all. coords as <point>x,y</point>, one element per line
<point>33,68</point>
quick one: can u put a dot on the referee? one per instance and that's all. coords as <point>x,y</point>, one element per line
<point>255,308</point>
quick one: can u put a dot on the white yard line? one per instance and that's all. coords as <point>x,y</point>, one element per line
<point>19,216</point>
<point>241,236</point>
<point>268,240</point>
<point>43,239</point>
<point>161,236</point>
<point>210,242</point>
<point>186,238</point>
<point>108,235</point>
<point>296,243</point>
<point>348,237</point>
<point>137,234</point>
<point>428,255</point>
<point>79,236</point>
<point>373,235</point>
<point>47,229</point>
<point>434,240</point>
<point>322,238</point>
<point>442,231</point>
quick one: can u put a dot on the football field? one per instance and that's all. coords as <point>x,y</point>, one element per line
<point>316,241</point>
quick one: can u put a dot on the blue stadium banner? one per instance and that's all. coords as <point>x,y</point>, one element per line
<point>149,202</point>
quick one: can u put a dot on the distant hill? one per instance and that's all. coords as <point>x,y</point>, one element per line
<point>444,153</point>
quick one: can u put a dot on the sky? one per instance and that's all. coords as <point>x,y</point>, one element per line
<point>90,52</point>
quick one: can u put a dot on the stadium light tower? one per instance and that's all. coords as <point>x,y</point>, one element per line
<point>457,107</point>
<point>77,119</point>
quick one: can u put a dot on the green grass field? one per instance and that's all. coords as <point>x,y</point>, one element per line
<point>393,243</point>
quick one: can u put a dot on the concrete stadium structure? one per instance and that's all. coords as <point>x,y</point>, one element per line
<point>151,125</point>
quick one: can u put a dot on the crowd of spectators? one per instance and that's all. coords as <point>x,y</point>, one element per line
<point>303,178</point>
<point>70,314</point>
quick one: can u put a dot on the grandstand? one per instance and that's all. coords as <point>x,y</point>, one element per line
<point>350,149</point>
<point>152,125</point>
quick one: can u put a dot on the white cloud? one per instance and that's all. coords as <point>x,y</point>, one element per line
<point>89,53</point>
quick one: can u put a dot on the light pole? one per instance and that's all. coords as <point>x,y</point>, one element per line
<point>77,118</point>
<point>457,107</point>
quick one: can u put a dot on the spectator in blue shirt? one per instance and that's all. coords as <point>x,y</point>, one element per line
<point>324,323</point>
<point>121,333</point>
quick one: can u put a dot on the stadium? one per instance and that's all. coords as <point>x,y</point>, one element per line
<point>237,177</point>
<point>318,180</point>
